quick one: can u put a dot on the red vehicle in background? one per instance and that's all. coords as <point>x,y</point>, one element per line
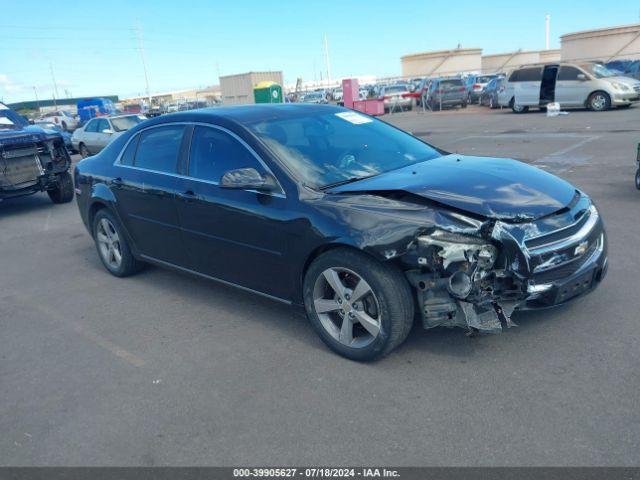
<point>135,108</point>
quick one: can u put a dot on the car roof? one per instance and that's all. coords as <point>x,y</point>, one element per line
<point>247,113</point>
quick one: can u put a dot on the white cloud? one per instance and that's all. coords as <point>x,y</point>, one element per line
<point>9,86</point>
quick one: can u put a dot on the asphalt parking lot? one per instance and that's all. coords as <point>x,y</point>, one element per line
<point>166,369</point>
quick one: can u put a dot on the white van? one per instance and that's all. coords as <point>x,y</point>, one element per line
<point>588,84</point>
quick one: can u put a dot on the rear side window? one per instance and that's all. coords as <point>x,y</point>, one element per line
<point>92,126</point>
<point>568,73</point>
<point>530,74</point>
<point>158,148</point>
<point>214,152</point>
<point>130,152</point>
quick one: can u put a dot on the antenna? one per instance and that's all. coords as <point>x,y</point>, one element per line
<point>55,84</point>
<point>326,57</point>
<point>138,30</point>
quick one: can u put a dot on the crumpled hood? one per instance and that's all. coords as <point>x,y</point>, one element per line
<point>26,135</point>
<point>497,188</point>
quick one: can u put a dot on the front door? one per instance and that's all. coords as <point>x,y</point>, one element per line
<point>238,236</point>
<point>145,187</point>
<point>570,89</point>
<point>103,135</point>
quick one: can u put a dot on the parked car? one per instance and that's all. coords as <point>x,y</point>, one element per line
<point>337,94</point>
<point>344,215</point>
<point>489,95</point>
<point>314,97</point>
<point>66,136</point>
<point>67,121</point>
<point>446,93</point>
<point>99,132</point>
<point>627,68</point>
<point>475,84</point>
<point>420,90</point>
<point>588,84</point>
<point>89,108</point>
<point>396,97</point>
<point>32,159</point>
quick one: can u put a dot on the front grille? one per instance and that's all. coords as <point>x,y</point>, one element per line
<point>562,253</point>
<point>19,166</point>
<point>566,269</point>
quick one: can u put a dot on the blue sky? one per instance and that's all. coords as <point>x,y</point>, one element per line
<point>93,48</point>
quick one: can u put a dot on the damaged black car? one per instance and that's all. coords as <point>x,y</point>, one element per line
<point>366,227</point>
<point>32,160</point>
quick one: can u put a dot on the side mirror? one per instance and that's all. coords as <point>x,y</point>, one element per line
<point>108,131</point>
<point>582,77</point>
<point>248,179</point>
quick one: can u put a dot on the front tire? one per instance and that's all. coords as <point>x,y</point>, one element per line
<point>638,179</point>
<point>599,102</point>
<point>361,308</point>
<point>84,151</point>
<point>63,191</point>
<point>113,248</point>
<point>518,108</point>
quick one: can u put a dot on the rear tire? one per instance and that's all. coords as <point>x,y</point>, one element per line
<point>599,102</point>
<point>63,191</point>
<point>518,108</point>
<point>386,310</point>
<point>112,245</point>
<point>638,179</point>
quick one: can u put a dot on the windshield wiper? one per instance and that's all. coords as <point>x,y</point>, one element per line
<point>346,181</point>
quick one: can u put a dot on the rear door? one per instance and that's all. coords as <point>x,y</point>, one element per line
<point>527,86</point>
<point>145,186</point>
<point>238,236</point>
<point>569,89</point>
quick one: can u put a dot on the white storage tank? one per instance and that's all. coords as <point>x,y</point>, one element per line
<point>603,44</point>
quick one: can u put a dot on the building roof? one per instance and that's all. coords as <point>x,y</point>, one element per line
<point>442,53</point>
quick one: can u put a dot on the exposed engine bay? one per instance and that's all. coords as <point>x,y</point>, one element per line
<point>476,277</point>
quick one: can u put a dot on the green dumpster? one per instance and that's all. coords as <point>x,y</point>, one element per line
<point>267,92</point>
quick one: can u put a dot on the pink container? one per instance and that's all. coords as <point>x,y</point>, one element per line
<point>350,91</point>
<point>370,107</point>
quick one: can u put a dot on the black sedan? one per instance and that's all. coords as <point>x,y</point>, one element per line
<point>360,223</point>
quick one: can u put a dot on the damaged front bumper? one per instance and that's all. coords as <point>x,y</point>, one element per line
<point>476,280</point>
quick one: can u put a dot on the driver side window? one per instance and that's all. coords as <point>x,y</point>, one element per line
<point>215,152</point>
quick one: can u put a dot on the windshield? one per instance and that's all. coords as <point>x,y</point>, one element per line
<point>327,148</point>
<point>120,124</point>
<point>485,79</point>
<point>598,70</point>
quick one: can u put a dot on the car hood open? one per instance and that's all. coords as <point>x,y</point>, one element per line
<point>498,188</point>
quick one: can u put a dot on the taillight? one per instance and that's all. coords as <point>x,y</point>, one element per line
<point>461,89</point>
<point>476,86</point>
<point>385,97</point>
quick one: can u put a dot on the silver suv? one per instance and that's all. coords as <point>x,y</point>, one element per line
<point>589,85</point>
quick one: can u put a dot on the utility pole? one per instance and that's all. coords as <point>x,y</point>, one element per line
<point>35,91</point>
<point>55,85</point>
<point>144,63</point>
<point>326,57</point>
<point>547,19</point>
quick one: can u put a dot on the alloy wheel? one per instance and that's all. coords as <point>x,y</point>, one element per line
<point>599,102</point>
<point>347,307</point>
<point>109,243</point>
